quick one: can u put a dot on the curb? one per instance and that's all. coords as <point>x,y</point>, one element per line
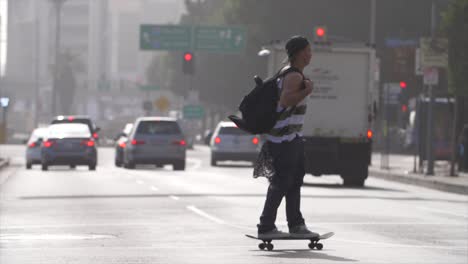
<point>419,181</point>
<point>4,163</point>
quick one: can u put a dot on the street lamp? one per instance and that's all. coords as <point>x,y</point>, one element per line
<point>58,7</point>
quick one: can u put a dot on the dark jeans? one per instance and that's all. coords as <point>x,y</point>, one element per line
<point>288,162</point>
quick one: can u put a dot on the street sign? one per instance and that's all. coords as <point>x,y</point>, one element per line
<point>220,39</point>
<point>193,112</point>
<point>431,76</point>
<point>162,103</point>
<point>165,37</point>
<point>203,38</point>
<point>391,93</point>
<point>434,52</point>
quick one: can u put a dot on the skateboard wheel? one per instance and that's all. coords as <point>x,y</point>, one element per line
<point>311,245</point>
<point>270,247</point>
<point>261,246</point>
<point>319,246</point>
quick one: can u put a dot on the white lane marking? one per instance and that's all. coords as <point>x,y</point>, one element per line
<point>4,177</point>
<point>153,188</point>
<point>205,215</point>
<point>443,212</point>
<point>197,163</point>
<point>139,182</point>
<point>6,237</point>
<point>174,197</point>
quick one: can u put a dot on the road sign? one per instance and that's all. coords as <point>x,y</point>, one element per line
<point>434,52</point>
<point>220,39</point>
<point>431,76</point>
<point>165,37</point>
<point>391,93</point>
<point>205,38</point>
<point>193,112</point>
<point>162,103</point>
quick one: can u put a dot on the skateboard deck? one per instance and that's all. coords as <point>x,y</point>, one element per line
<point>314,242</point>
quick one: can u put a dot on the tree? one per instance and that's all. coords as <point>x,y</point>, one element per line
<point>455,28</point>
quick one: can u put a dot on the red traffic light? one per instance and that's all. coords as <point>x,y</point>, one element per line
<point>403,85</point>
<point>188,56</point>
<point>320,32</point>
<point>404,108</point>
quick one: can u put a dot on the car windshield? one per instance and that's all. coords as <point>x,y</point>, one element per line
<point>128,129</point>
<point>158,127</point>
<point>69,131</point>
<point>76,121</point>
<point>38,134</point>
<point>232,131</point>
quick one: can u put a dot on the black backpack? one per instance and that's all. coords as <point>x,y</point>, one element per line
<point>258,107</point>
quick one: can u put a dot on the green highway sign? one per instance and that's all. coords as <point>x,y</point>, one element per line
<point>193,112</point>
<point>185,38</point>
<point>220,39</point>
<point>165,37</point>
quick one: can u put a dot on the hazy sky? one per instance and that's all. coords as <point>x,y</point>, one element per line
<point>3,29</point>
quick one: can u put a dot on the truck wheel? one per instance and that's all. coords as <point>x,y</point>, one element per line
<point>355,176</point>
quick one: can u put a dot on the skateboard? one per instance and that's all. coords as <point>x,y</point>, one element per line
<point>314,242</point>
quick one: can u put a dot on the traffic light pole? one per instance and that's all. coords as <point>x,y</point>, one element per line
<point>429,148</point>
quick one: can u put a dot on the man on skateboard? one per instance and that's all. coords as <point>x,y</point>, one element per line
<point>285,149</point>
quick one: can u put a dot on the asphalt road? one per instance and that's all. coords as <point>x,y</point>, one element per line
<point>151,215</point>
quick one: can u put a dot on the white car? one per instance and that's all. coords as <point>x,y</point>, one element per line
<point>231,143</point>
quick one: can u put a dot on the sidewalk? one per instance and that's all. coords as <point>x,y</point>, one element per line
<point>401,170</point>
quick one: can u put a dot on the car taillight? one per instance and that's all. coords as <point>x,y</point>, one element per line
<point>217,140</point>
<point>89,143</point>
<point>138,142</point>
<point>179,142</point>
<point>32,145</point>
<point>70,118</point>
<point>369,134</point>
<point>48,143</point>
<point>122,144</point>
<point>95,135</point>
<point>255,140</point>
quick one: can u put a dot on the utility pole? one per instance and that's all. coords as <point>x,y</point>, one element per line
<point>36,69</point>
<point>58,8</point>
<point>372,23</point>
<point>430,107</point>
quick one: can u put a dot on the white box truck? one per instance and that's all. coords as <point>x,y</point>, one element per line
<point>338,123</point>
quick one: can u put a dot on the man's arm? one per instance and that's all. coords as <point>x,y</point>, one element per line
<point>292,92</point>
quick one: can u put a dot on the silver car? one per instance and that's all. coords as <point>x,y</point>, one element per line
<point>155,140</point>
<point>231,143</point>
<point>33,151</point>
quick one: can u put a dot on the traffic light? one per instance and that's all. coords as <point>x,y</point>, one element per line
<point>403,85</point>
<point>320,34</point>
<point>188,64</point>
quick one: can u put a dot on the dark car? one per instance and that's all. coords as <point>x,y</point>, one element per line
<point>120,143</point>
<point>68,144</point>
<point>74,119</point>
<point>156,140</point>
<point>33,151</point>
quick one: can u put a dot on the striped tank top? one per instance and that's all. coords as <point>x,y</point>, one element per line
<point>290,122</point>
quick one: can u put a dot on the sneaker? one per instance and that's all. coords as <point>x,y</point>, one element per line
<point>275,233</point>
<point>301,231</point>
